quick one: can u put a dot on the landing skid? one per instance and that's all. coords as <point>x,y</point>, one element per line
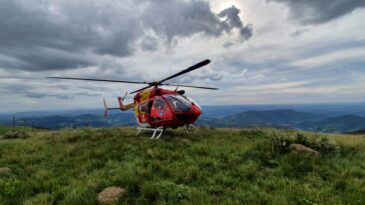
<point>157,132</point>
<point>191,128</point>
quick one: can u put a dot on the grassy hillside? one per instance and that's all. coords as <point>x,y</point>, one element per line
<point>219,166</point>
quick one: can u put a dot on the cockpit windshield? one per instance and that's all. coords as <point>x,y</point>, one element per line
<point>178,103</point>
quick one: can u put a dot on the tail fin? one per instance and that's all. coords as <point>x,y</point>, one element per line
<point>105,109</point>
<point>120,100</point>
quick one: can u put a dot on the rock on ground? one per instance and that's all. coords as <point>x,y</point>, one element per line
<point>185,141</point>
<point>110,195</point>
<point>302,148</point>
<point>4,170</point>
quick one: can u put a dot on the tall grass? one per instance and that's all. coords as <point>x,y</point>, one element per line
<point>220,166</point>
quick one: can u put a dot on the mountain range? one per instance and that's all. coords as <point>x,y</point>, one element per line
<point>288,119</point>
<point>276,118</point>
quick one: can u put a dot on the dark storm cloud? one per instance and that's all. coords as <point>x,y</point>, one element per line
<point>42,35</point>
<point>64,34</point>
<point>320,11</point>
<point>232,20</point>
<point>185,18</point>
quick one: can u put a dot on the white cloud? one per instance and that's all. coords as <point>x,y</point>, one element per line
<point>356,54</point>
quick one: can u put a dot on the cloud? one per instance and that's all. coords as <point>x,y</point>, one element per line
<point>320,11</point>
<point>149,43</point>
<point>67,34</point>
<point>228,44</point>
<point>152,39</point>
<point>232,20</point>
<point>346,55</point>
<point>214,75</point>
<point>184,18</point>
<point>40,90</point>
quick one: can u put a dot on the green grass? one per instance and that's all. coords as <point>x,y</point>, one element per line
<point>220,166</point>
<point>4,129</point>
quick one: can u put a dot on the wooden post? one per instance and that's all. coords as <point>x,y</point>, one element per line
<point>13,123</point>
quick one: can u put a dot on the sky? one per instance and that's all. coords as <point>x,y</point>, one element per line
<point>262,51</point>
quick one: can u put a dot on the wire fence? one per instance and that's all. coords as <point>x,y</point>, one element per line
<point>17,124</point>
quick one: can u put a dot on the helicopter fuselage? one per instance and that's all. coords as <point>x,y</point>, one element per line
<point>157,107</point>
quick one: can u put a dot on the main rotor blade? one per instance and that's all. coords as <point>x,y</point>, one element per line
<point>191,86</point>
<point>191,68</point>
<point>141,89</point>
<point>102,80</point>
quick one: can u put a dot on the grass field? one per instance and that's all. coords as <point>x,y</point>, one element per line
<point>219,166</point>
<point>4,129</point>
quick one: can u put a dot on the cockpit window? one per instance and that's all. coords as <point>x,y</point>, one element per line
<point>179,103</point>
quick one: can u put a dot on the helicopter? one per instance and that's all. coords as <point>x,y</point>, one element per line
<point>157,109</point>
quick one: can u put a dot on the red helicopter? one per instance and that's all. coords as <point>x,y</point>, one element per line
<point>157,109</point>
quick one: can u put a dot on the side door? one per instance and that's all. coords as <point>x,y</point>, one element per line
<point>160,110</point>
<point>143,112</point>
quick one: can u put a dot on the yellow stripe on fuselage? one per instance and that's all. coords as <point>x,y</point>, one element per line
<point>144,97</point>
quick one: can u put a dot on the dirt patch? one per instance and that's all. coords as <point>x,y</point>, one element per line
<point>185,141</point>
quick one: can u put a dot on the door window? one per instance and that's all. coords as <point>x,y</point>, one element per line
<point>142,108</point>
<point>159,103</point>
<point>160,110</point>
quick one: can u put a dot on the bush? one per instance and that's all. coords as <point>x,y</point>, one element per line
<point>16,135</point>
<point>281,144</point>
<point>322,144</point>
<point>172,192</point>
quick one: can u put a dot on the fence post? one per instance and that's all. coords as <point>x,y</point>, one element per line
<point>13,123</point>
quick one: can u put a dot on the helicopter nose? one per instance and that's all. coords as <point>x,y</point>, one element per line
<point>196,111</point>
<point>190,116</point>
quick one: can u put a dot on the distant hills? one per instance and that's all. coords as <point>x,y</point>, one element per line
<point>288,119</point>
<point>271,118</point>
<point>312,118</point>
<point>345,123</point>
<point>357,132</point>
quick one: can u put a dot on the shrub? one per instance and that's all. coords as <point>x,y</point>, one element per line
<point>280,144</point>
<point>16,135</point>
<point>325,145</point>
<point>173,192</point>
